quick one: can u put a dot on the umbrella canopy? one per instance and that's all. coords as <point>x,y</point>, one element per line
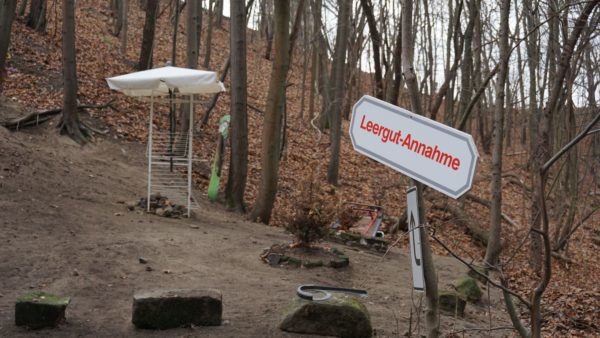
<point>158,81</point>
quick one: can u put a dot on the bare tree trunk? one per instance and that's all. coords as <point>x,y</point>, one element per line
<point>466,84</point>
<point>175,30</point>
<point>37,15</point>
<point>219,13</point>
<point>116,10</point>
<point>209,30</point>
<point>192,38</point>
<point>124,26</point>
<point>296,28</point>
<point>271,138</point>
<point>316,10</point>
<point>492,253</point>
<point>376,41</point>
<point>337,89</point>
<point>145,60</point>
<point>305,53</point>
<point>269,30</point>
<point>431,290</point>
<point>22,7</point>
<point>7,15</point>
<point>70,116</point>
<point>238,162</point>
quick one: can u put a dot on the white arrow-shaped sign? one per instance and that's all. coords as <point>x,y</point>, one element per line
<point>439,156</point>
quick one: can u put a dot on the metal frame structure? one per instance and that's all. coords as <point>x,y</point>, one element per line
<point>161,154</point>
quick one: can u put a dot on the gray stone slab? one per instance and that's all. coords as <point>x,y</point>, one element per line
<point>170,308</point>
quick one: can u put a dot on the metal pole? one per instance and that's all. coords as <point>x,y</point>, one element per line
<point>190,136</point>
<point>150,151</point>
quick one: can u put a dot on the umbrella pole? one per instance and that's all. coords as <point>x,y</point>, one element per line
<point>150,152</point>
<point>172,123</point>
<point>190,155</point>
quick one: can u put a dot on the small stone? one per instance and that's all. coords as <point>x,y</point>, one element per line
<point>452,302</point>
<point>142,260</point>
<point>167,272</point>
<point>118,214</point>
<point>149,268</point>
<point>131,205</point>
<point>165,309</point>
<point>194,226</point>
<point>38,310</point>
<point>75,272</point>
<point>274,259</point>
<point>339,316</point>
<point>160,212</point>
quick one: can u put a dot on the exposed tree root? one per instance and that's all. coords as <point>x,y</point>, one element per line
<point>37,118</point>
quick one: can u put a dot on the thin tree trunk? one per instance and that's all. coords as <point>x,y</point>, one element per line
<point>209,30</point>
<point>22,7</point>
<point>271,138</point>
<point>7,15</point>
<point>431,290</point>
<point>145,60</point>
<point>219,13</point>
<point>492,253</point>
<point>337,89</point>
<point>316,10</point>
<point>376,41</point>
<point>175,30</point>
<point>124,26</point>
<point>37,15</point>
<point>238,162</point>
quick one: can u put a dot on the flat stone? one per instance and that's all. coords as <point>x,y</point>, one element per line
<point>274,258</point>
<point>467,287</point>
<point>170,308</point>
<point>340,316</point>
<point>340,260</point>
<point>451,301</point>
<point>38,310</point>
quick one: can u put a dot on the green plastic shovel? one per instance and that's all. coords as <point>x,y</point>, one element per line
<point>215,177</point>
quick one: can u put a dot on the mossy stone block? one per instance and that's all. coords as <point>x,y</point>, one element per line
<point>165,309</point>
<point>312,264</point>
<point>38,310</point>
<point>452,302</point>
<point>340,260</point>
<point>467,287</point>
<point>340,316</point>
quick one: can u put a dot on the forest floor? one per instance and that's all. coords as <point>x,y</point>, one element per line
<point>66,231</point>
<point>59,210</point>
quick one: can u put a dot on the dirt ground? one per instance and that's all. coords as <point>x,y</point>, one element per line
<point>63,230</point>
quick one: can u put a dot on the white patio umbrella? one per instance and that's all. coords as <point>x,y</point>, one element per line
<point>159,82</point>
